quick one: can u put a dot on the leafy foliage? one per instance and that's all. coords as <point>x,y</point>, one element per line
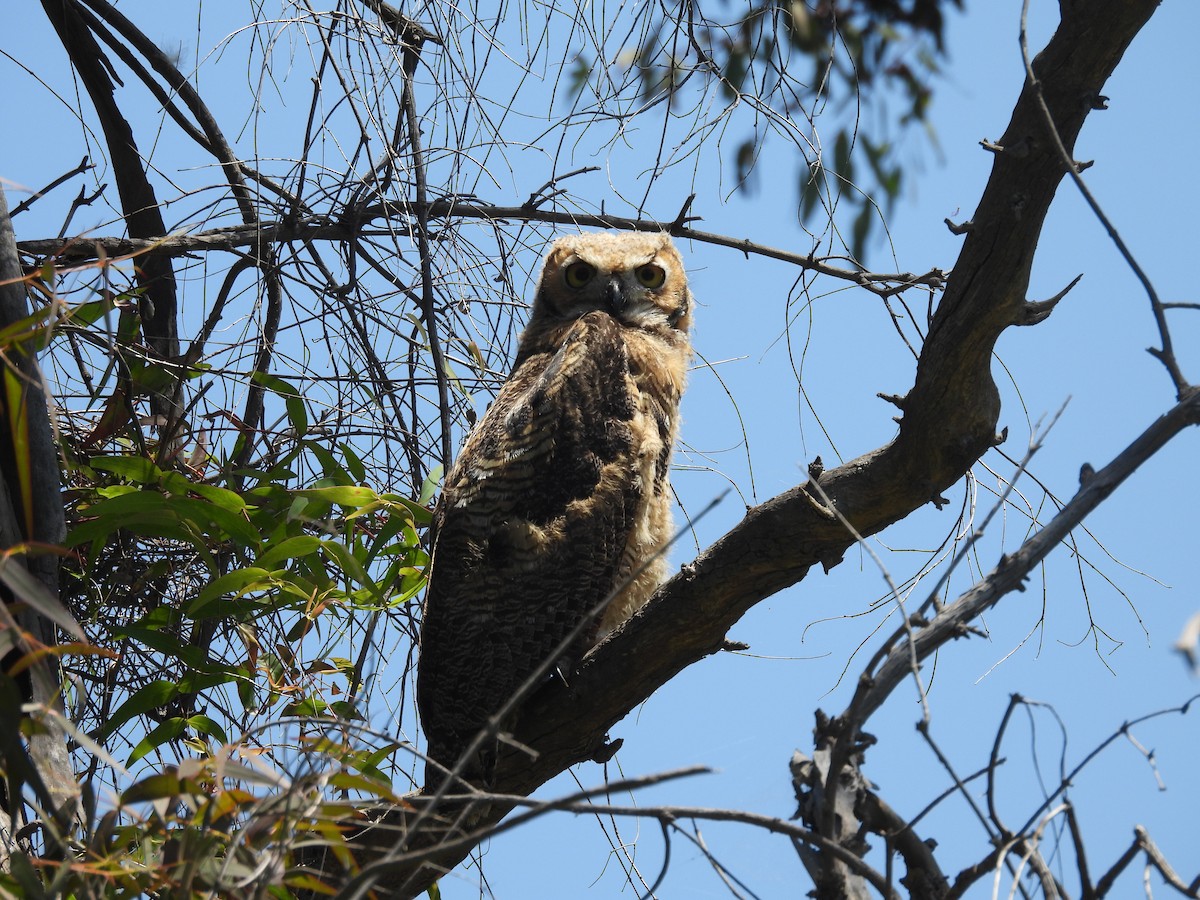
<point>213,602</point>
<point>866,64</point>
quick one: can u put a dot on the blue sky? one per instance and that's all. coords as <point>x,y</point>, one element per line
<point>744,714</point>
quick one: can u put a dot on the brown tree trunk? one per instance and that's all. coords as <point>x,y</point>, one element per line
<point>31,514</point>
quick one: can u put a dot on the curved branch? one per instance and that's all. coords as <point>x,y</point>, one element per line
<point>139,204</point>
<point>212,139</point>
<point>1165,354</point>
<point>1154,857</point>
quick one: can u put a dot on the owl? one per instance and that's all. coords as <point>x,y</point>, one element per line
<point>559,504</point>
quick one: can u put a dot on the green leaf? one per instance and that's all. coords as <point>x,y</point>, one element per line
<point>293,401</point>
<point>810,189</point>
<point>309,706</point>
<point>195,658</point>
<point>354,465</point>
<point>581,71</point>
<point>90,313</point>
<point>153,377</point>
<point>150,513</point>
<point>30,330</point>
<point>116,490</point>
<point>372,760</point>
<point>14,411</point>
<point>862,226</point>
<point>123,511</point>
<point>406,584</point>
<point>179,485</point>
<point>219,496</point>
<point>152,696</point>
<point>842,164</point>
<point>421,515</point>
<point>348,781</point>
<point>166,731</point>
<point>228,524</point>
<point>137,469</point>
<point>26,875</point>
<point>344,709</point>
<point>233,583</point>
<point>195,682</point>
<point>160,786</point>
<point>291,548</point>
<point>429,486</point>
<point>332,470</point>
<point>736,67</point>
<point>350,566</point>
<point>342,495</point>
<point>296,508</point>
<point>384,537</point>
<point>247,694</point>
<point>204,725</point>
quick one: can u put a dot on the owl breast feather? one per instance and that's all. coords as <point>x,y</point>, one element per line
<point>530,534</point>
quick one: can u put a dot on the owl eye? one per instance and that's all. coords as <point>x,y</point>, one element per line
<point>578,274</point>
<point>650,276</point>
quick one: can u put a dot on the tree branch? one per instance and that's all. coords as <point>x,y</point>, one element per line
<point>1165,354</point>
<point>1010,574</point>
<point>139,205</point>
<point>413,38</point>
<point>372,221</point>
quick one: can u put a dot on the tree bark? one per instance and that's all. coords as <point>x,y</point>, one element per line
<point>31,513</point>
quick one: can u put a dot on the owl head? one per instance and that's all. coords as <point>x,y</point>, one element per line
<point>635,277</point>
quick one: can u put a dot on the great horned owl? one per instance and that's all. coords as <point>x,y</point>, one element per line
<point>560,496</point>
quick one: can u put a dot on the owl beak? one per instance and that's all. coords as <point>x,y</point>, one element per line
<point>615,297</point>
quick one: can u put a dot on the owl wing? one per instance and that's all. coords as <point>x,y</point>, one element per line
<point>529,532</point>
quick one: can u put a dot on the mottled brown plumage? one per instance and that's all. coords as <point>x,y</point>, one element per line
<point>561,492</point>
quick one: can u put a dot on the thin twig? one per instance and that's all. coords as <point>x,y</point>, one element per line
<point>1012,570</point>
<point>324,228</point>
<point>84,165</point>
<point>410,57</point>
<point>1165,354</point>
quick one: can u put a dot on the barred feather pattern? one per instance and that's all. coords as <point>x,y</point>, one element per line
<point>560,498</point>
